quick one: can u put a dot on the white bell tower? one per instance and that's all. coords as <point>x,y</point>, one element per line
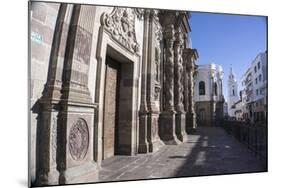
<point>233,95</point>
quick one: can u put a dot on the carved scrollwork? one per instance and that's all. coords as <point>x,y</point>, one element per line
<point>139,12</point>
<point>79,140</point>
<point>121,24</point>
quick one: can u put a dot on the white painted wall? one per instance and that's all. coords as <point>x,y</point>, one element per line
<point>210,74</point>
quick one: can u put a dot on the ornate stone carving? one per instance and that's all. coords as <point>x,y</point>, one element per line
<point>79,140</point>
<point>139,12</point>
<point>189,56</point>
<point>121,24</point>
<point>179,42</point>
<point>158,38</point>
<point>169,68</point>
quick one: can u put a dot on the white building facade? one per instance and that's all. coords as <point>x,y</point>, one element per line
<point>208,94</point>
<point>254,93</point>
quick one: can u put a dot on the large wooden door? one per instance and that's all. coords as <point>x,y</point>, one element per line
<point>110,107</point>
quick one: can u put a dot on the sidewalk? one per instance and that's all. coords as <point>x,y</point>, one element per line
<point>209,151</point>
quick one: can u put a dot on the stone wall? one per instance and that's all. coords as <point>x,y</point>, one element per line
<point>42,21</point>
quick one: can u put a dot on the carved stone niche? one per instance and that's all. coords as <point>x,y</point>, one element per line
<point>120,23</point>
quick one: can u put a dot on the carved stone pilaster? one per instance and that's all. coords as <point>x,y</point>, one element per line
<point>151,57</point>
<point>168,120</point>
<point>169,33</point>
<point>143,129</point>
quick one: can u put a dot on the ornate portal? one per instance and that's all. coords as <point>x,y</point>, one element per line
<point>79,140</point>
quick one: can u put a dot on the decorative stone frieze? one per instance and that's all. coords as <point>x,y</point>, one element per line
<point>121,24</point>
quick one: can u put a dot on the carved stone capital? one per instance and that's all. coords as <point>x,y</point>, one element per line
<point>169,35</point>
<point>189,56</point>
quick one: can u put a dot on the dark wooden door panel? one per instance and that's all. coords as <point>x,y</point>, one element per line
<point>110,108</point>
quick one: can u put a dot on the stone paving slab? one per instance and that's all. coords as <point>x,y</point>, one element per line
<point>208,151</point>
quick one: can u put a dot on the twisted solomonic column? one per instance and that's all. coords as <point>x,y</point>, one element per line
<point>169,33</point>
<point>178,90</point>
<point>189,56</point>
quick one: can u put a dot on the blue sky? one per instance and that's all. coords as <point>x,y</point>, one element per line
<point>227,39</point>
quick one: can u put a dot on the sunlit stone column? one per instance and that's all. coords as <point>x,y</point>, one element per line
<point>143,142</point>
<point>179,89</point>
<point>190,56</point>
<point>167,127</point>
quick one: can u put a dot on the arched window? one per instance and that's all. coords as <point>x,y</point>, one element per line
<point>233,93</point>
<point>201,88</point>
<point>215,89</point>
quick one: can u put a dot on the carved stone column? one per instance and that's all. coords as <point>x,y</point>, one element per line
<point>190,55</point>
<point>178,90</point>
<point>167,127</point>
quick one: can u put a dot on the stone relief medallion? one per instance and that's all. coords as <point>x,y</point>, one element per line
<point>79,140</point>
<point>121,24</point>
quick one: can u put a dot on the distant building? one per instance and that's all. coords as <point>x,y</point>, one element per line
<point>238,108</point>
<point>225,110</point>
<point>232,96</point>
<point>254,93</point>
<point>208,94</point>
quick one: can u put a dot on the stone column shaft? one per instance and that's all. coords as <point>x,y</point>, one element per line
<point>168,120</point>
<point>190,55</point>
<point>143,143</point>
<point>180,113</point>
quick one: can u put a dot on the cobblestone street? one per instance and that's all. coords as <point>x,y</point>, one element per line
<point>210,150</point>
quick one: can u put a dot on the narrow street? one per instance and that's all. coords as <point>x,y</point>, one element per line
<point>210,150</point>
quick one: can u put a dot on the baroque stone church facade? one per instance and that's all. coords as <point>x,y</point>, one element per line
<point>105,81</point>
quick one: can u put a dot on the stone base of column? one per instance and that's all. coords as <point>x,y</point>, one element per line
<point>154,142</point>
<point>190,123</point>
<point>167,128</point>
<point>50,178</point>
<point>180,127</point>
<point>156,145</point>
<point>86,173</point>
<point>143,143</point>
